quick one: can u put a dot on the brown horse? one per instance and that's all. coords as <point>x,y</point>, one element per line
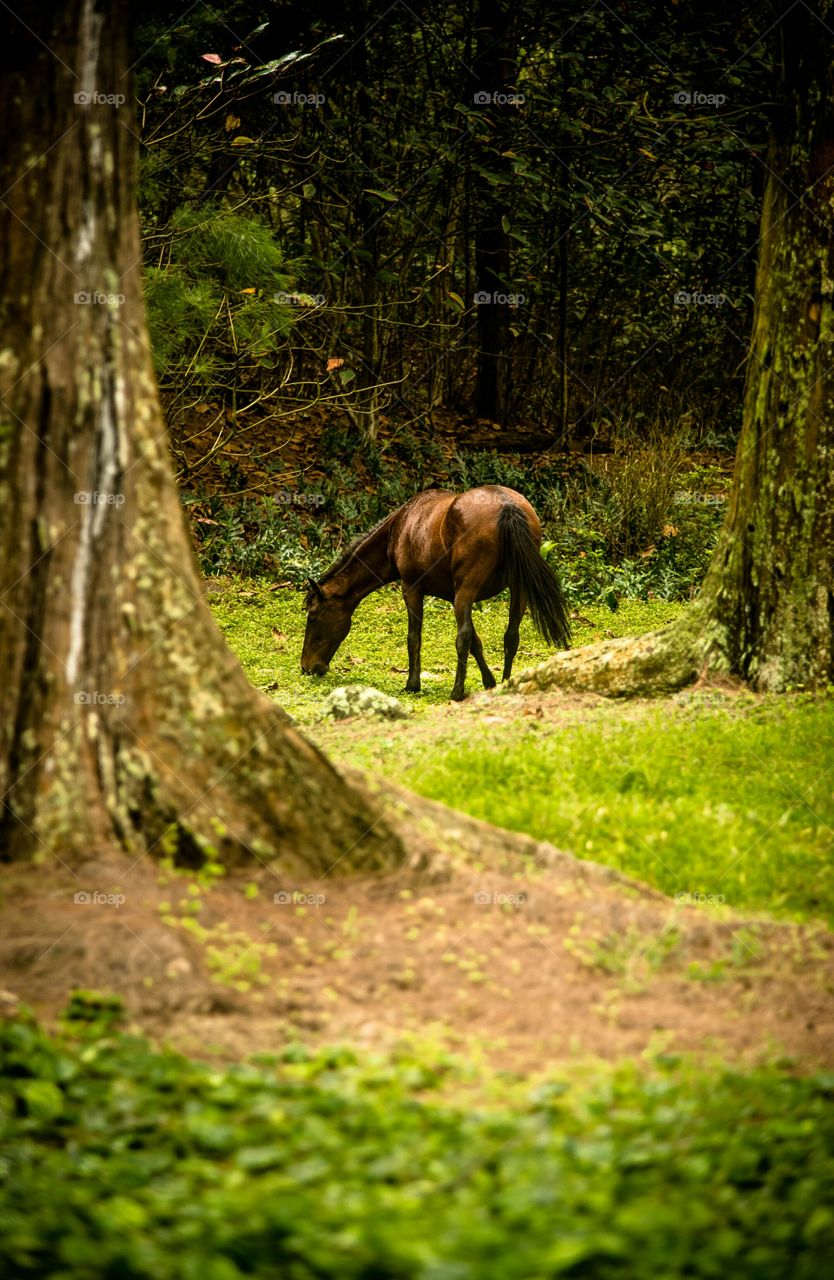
<point>458,547</point>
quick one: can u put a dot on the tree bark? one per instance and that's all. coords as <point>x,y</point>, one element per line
<point>766,608</point>
<point>123,716</point>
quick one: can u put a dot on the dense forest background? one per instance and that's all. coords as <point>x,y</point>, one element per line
<point>388,248</point>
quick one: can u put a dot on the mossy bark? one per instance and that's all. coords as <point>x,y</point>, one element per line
<point>123,716</point>
<point>766,609</point>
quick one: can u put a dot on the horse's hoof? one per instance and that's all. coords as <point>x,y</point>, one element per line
<point>490,683</point>
<point>412,688</point>
<point>457,697</point>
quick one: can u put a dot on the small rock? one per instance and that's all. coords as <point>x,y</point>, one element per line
<point>362,700</point>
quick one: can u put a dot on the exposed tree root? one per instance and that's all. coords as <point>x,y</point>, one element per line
<point>656,663</point>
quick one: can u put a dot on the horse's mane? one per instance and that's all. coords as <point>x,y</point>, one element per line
<point>355,546</point>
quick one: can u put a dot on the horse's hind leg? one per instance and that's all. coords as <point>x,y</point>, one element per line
<point>463,643</point>
<point>468,641</point>
<point>517,608</point>
<point>478,654</point>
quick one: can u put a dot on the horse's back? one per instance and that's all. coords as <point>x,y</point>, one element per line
<point>444,539</point>
<point>481,507</point>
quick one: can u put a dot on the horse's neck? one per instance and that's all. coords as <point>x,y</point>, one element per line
<point>369,567</point>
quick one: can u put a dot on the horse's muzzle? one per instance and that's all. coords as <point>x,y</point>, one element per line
<point>315,668</point>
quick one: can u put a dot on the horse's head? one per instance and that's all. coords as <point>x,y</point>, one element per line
<point>328,622</point>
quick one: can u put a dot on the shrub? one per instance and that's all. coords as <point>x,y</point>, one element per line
<point>119,1160</point>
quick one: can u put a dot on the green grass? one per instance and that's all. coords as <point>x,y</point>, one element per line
<point>734,802</point>
<point>266,630</point>
<point>123,1161</point>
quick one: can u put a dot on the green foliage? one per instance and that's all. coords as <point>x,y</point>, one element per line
<point>258,537</point>
<point>628,499</point>
<point>472,469</point>
<point>94,1013</point>
<point>180,313</point>
<point>212,308</point>
<point>645,522</point>
<point>238,252</point>
<point>119,1160</point>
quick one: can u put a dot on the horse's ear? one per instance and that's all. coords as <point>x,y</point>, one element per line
<point>314,589</point>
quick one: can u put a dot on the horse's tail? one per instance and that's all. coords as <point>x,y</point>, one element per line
<point>527,572</point>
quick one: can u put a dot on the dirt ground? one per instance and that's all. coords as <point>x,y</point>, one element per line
<point>488,944</point>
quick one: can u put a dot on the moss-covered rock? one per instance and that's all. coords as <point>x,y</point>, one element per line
<point>363,700</point>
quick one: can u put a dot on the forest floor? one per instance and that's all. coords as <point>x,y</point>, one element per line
<point>526,968</point>
<point>665,887</point>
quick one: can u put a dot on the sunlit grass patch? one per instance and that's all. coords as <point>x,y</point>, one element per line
<point>730,806</point>
<point>266,630</point>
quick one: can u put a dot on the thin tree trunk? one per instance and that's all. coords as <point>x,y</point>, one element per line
<point>564,393</point>
<point>494,69</point>
<point>123,716</point>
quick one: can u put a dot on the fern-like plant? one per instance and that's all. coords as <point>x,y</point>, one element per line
<point>218,303</point>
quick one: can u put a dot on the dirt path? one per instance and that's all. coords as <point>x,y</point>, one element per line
<point>490,945</point>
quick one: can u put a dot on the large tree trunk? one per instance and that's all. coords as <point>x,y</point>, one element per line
<point>123,716</point>
<point>770,584</point>
<point>766,609</point>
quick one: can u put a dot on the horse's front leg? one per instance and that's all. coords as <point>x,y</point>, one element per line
<point>413,598</point>
<point>463,643</point>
